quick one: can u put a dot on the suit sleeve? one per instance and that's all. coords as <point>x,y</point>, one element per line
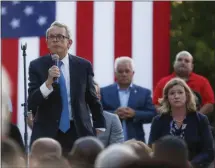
<point>93,101</point>
<point>35,97</point>
<point>149,111</point>
<point>155,130</point>
<point>207,154</point>
<point>116,133</point>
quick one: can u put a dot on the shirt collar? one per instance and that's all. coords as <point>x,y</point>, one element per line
<point>189,78</point>
<point>130,86</point>
<point>65,60</point>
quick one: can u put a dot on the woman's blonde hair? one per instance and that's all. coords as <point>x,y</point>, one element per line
<point>190,103</point>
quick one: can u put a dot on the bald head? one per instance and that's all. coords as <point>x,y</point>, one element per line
<point>174,145</point>
<point>184,53</point>
<point>46,146</point>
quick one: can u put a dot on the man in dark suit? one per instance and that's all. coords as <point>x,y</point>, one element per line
<point>132,103</point>
<point>60,110</point>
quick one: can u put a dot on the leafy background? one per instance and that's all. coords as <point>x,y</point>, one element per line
<point>193,29</point>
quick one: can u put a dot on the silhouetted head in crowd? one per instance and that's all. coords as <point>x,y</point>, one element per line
<point>43,146</point>
<point>11,154</point>
<point>84,151</point>
<point>51,161</point>
<point>140,148</point>
<point>171,149</point>
<point>150,163</point>
<point>115,156</point>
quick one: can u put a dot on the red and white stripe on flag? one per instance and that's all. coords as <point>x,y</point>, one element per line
<point>101,32</point>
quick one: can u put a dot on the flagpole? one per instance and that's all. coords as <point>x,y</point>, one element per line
<point>25,104</point>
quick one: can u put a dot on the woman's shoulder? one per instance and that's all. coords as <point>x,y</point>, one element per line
<point>201,118</point>
<point>199,115</point>
<point>162,117</point>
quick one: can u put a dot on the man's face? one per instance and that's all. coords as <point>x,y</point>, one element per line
<point>124,73</point>
<point>58,41</point>
<point>183,64</point>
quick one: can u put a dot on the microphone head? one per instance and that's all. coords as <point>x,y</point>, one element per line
<point>55,57</point>
<point>24,47</point>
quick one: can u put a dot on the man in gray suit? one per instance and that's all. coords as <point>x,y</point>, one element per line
<point>114,131</point>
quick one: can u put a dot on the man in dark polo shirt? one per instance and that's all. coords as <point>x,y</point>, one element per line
<point>183,68</point>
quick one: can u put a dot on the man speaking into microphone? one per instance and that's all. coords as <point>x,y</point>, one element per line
<point>61,90</point>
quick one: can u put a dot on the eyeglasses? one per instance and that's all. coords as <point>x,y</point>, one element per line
<point>58,37</point>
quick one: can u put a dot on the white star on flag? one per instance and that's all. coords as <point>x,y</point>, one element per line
<point>15,23</point>
<point>42,20</point>
<point>15,2</point>
<point>3,10</point>
<point>28,10</point>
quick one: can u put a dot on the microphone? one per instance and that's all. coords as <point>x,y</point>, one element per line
<point>55,58</point>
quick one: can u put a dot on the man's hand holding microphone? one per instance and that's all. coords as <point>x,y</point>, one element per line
<point>53,72</point>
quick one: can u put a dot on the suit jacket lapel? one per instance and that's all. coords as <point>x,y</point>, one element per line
<point>132,97</point>
<point>188,129</point>
<point>72,71</point>
<point>49,62</point>
<point>115,97</point>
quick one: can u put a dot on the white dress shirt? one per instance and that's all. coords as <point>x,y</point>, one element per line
<point>124,95</point>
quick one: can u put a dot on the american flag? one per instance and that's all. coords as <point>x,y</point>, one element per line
<point>101,31</point>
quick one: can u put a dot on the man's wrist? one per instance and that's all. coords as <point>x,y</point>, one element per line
<point>48,83</point>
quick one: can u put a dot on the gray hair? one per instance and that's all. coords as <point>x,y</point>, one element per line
<point>183,53</point>
<point>115,156</point>
<point>122,60</point>
<point>46,146</point>
<point>5,98</point>
<point>62,25</point>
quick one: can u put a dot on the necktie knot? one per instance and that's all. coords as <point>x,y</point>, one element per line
<point>60,63</point>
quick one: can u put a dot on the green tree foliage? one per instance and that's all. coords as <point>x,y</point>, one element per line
<point>193,29</point>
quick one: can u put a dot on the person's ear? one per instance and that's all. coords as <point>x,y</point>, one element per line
<point>69,43</point>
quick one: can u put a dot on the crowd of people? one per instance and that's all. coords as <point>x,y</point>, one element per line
<point>77,124</point>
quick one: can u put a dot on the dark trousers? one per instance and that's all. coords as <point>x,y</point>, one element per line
<point>67,139</point>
